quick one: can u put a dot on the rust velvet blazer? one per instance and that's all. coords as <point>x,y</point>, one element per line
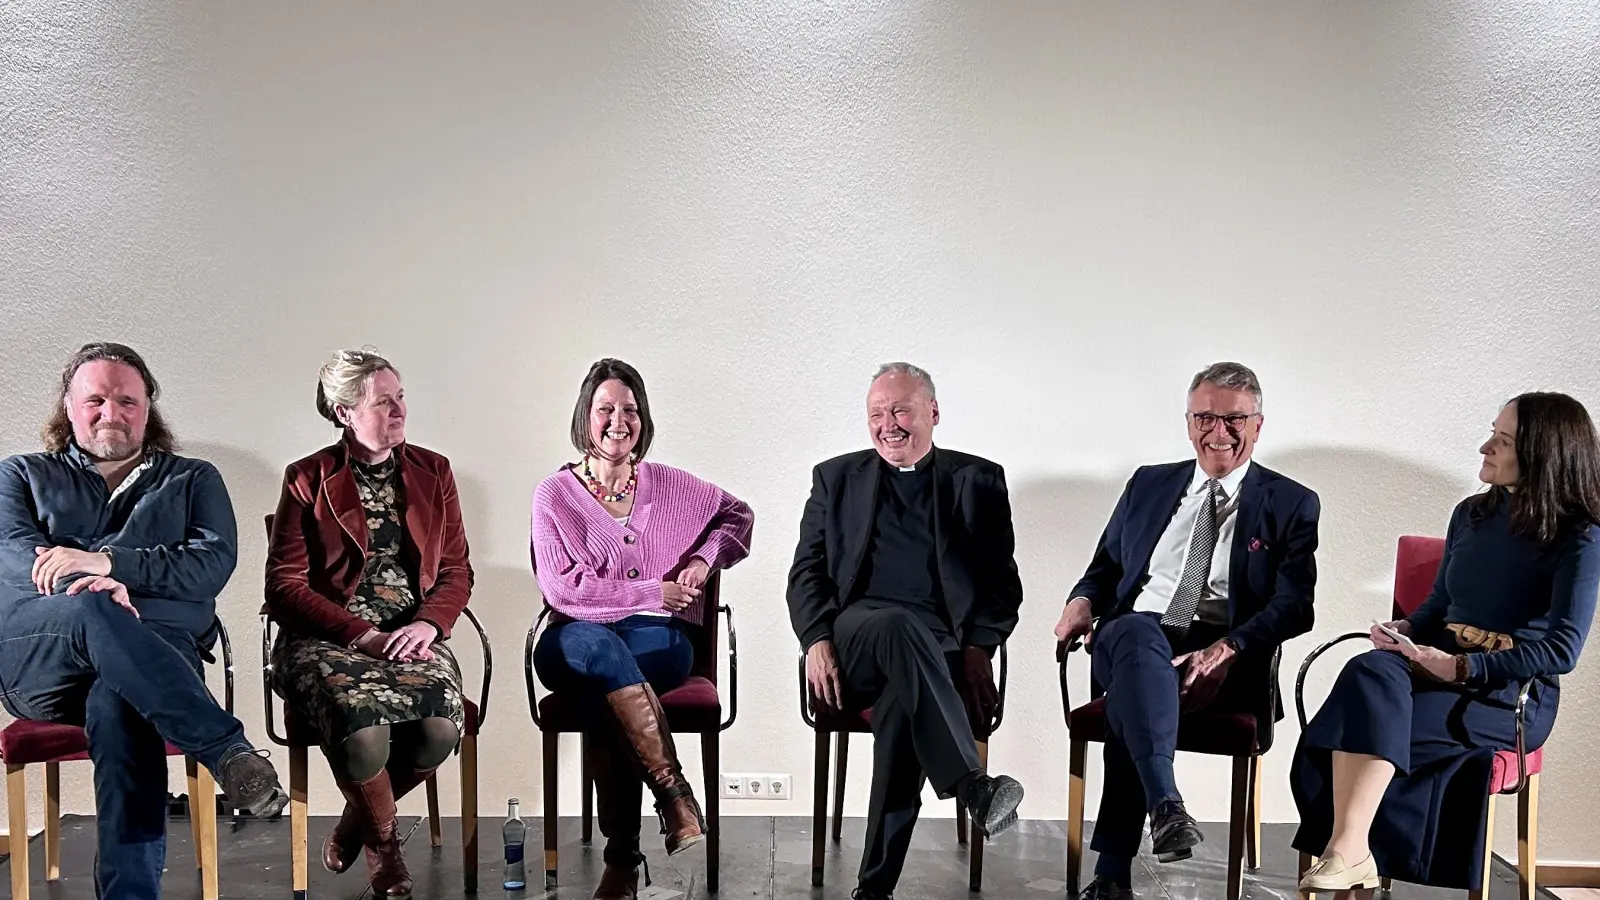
<point>317,549</point>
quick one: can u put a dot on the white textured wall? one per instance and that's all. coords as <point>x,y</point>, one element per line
<point>1061,209</point>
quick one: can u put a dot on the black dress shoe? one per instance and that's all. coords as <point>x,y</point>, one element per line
<point>992,803</point>
<point>1102,888</point>
<point>1173,832</point>
<point>862,893</point>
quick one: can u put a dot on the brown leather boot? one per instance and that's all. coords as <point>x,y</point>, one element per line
<point>343,844</point>
<point>618,791</point>
<point>644,726</point>
<point>373,803</point>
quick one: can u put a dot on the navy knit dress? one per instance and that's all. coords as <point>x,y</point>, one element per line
<point>1440,737</point>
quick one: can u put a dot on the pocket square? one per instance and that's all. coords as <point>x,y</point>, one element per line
<point>1257,544</point>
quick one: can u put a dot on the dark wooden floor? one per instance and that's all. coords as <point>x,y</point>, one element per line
<point>761,858</point>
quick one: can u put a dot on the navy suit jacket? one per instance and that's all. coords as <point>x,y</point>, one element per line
<point>1272,571</point>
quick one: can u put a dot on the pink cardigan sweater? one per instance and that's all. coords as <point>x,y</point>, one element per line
<point>593,569</point>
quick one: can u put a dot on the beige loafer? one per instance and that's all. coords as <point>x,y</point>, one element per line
<point>1331,873</point>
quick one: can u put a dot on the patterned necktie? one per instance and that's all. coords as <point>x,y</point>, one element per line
<point>1197,568</point>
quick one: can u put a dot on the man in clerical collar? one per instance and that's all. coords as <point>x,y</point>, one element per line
<point>1206,567</point>
<point>903,585</point>
<point>112,552</point>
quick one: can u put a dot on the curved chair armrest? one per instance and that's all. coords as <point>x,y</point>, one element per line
<point>1300,679</point>
<point>1522,747</point>
<point>1000,709</point>
<point>266,679</point>
<point>488,667</point>
<point>1062,652</point>
<point>527,664</point>
<point>805,695</point>
<point>733,668</point>
<point>227,666</point>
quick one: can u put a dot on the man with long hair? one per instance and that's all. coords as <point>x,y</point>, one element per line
<point>112,552</point>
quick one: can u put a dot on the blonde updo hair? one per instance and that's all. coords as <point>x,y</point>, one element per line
<point>343,379</point>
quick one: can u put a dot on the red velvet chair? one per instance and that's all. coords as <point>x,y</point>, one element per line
<point>299,737</point>
<point>1515,771</point>
<point>25,742</point>
<point>1239,735</point>
<point>694,707</point>
<point>838,724</point>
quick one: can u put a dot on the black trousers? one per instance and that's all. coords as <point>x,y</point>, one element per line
<point>1132,664</point>
<point>890,660</point>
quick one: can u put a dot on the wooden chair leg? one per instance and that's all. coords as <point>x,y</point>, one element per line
<point>17,821</point>
<point>1528,837</point>
<point>297,820</point>
<point>191,771</point>
<point>839,767</point>
<point>1238,826</point>
<point>52,821</point>
<point>469,812</point>
<point>551,746</point>
<point>1076,759</point>
<point>819,808</point>
<point>203,816</point>
<point>961,822</point>
<point>975,852</point>
<point>1252,853</point>
<point>435,824</point>
<point>1306,862</point>
<point>711,760</point>
<point>586,789</point>
<point>1481,892</point>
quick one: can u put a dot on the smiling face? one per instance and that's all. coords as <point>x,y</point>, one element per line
<point>1500,465</point>
<point>900,417</point>
<point>1223,427</point>
<point>378,421</point>
<point>613,421</point>
<point>108,407</point>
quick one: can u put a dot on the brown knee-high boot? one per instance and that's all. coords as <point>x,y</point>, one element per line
<point>618,791</point>
<point>373,803</point>
<point>644,728</point>
<point>343,844</point>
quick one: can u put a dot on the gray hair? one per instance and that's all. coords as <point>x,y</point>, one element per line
<point>343,379</point>
<point>1230,376</point>
<point>905,368</point>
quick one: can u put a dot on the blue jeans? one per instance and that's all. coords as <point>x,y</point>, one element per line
<point>596,658</point>
<point>85,661</point>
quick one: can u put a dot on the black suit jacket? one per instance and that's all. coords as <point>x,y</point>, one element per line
<point>976,545</point>
<point>1272,569</point>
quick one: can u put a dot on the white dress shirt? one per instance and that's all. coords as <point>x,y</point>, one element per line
<point>1166,562</point>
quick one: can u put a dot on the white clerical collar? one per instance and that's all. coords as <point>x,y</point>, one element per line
<point>1230,482</point>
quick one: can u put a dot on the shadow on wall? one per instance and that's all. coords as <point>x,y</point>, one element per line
<point>505,598</point>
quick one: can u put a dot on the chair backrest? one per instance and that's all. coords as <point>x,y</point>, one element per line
<point>705,635</point>
<point>1416,565</point>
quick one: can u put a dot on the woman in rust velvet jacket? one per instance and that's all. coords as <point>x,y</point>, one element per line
<point>367,572</point>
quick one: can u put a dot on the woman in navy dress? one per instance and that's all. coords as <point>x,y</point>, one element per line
<point>1392,774</point>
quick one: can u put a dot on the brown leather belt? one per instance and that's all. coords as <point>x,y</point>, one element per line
<point>1472,637</point>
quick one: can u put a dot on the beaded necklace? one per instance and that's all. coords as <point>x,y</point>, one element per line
<point>599,490</point>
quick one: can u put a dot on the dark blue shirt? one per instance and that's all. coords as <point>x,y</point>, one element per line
<point>170,531</point>
<point>1542,595</point>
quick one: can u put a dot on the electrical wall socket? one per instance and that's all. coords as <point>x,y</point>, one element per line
<point>746,786</point>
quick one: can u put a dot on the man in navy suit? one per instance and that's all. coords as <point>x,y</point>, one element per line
<point>1205,568</point>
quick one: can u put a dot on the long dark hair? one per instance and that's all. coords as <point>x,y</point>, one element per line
<point>600,373</point>
<point>1558,462</point>
<point>57,431</point>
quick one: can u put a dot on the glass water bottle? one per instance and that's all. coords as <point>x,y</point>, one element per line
<point>513,832</point>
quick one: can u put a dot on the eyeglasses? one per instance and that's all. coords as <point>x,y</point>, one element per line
<point>1208,421</point>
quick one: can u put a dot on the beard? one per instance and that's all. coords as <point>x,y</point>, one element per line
<point>110,443</point>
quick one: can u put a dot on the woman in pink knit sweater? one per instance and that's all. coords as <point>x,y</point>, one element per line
<point>622,549</point>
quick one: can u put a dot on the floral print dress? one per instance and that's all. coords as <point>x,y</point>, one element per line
<point>340,691</point>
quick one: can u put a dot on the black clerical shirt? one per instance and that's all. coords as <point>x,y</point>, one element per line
<point>901,565</point>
